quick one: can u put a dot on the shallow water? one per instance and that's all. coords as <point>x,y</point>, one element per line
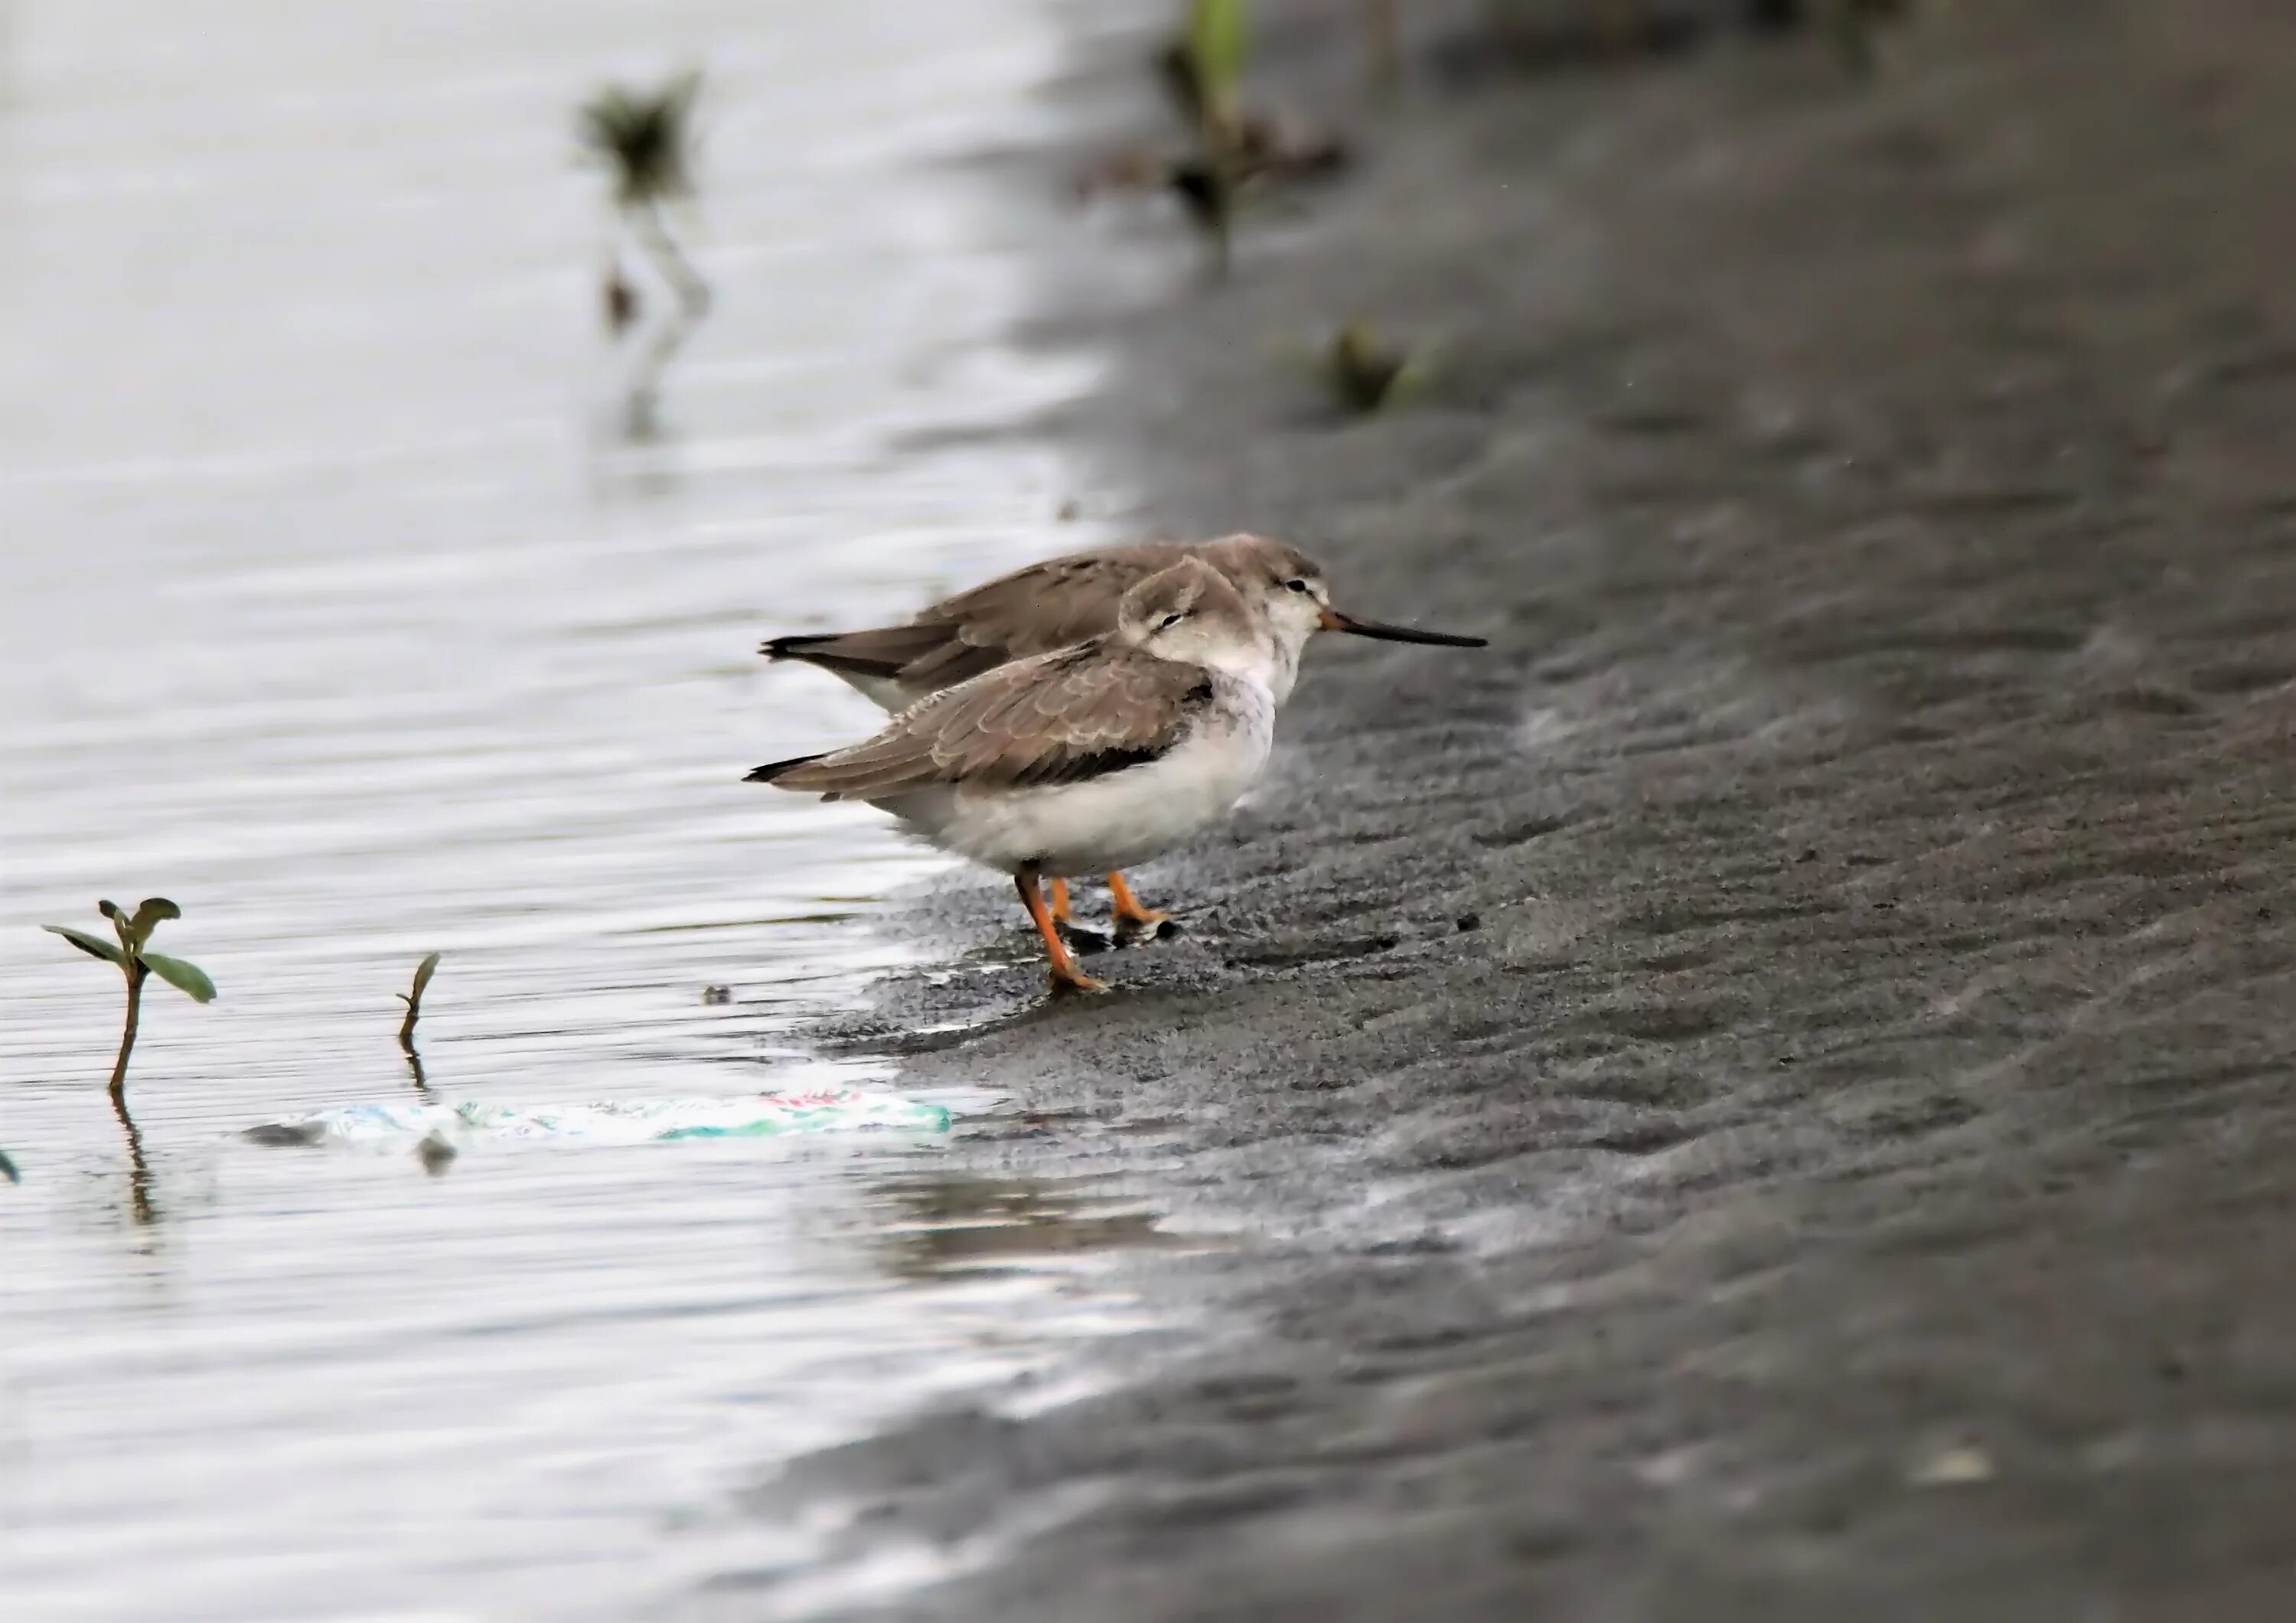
<point>335,608</point>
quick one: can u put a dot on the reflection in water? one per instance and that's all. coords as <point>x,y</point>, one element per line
<point>415,1066</point>
<point>436,1152</point>
<point>140,1206</point>
<point>949,1225</point>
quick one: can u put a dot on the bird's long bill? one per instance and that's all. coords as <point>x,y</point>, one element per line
<point>1333,620</point>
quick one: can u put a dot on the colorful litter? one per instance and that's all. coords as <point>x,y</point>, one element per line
<point>629,1121</point>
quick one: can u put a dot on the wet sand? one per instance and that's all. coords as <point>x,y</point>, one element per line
<point>1766,1093</point>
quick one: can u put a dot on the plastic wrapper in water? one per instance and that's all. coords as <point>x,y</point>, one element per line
<point>626,1121</point>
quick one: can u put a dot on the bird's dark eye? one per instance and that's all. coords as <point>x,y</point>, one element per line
<point>1295,586</point>
<point>1168,621</point>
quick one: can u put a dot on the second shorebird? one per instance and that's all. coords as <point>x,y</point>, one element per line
<point>1062,600</point>
<point>1082,760</point>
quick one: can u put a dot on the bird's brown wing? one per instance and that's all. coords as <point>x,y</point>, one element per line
<point>1052,604</point>
<point>1061,717</point>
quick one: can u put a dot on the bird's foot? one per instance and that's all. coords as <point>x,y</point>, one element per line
<point>1139,929</point>
<point>1084,939</point>
<point>1135,921</point>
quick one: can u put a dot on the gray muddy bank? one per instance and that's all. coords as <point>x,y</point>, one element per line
<point>1767,1093</point>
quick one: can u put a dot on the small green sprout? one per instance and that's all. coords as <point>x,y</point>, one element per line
<point>8,1168</point>
<point>137,965</point>
<point>414,1002</point>
<point>413,999</point>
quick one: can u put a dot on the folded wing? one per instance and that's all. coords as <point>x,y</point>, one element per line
<point>1062,718</point>
<point>1052,604</point>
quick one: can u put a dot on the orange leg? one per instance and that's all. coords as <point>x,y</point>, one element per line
<point>1066,976</point>
<point>1128,911</point>
<point>1057,891</point>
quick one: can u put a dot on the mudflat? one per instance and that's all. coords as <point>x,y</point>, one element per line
<point>1767,1093</point>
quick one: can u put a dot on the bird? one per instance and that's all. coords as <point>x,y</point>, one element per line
<point>1083,760</point>
<point>1061,601</point>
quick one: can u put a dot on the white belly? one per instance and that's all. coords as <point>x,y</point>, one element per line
<point>888,695</point>
<point>1113,822</point>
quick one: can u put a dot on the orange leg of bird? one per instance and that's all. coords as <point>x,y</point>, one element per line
<point>1129,913</point>
<point>1057,891</point>
<point>1066,976</point>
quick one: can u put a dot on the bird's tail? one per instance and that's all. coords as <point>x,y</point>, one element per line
<point>771,770</point>
<point>882,652</point>
<point>795,647</point>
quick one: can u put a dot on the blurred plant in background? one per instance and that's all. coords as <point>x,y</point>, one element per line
<point>1233,146</point>
<point>1362,372</point>
<point>1208,79</point>
<point>644,140</point>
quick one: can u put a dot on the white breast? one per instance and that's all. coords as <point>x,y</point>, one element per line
<point>1116,820</point>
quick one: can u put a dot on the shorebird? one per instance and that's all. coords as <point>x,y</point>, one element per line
<point>1085,760</point>
<point>1062,600</point>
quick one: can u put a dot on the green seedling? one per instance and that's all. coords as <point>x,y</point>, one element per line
<point>414,1002</point>
<point>413,999</point>
<point>8,1168</point>
<point>137,964</point>
<point>643,139</point>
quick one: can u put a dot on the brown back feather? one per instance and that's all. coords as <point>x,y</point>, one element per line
<point>1055,718</point>
<point>1056,603</point>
